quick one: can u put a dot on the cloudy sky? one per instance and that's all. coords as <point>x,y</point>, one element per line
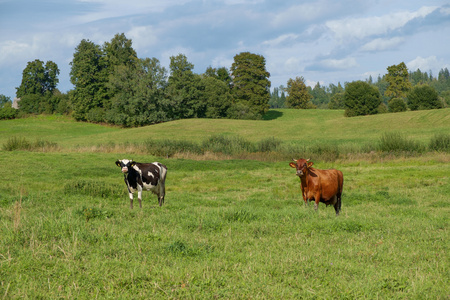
<point>324,41</point>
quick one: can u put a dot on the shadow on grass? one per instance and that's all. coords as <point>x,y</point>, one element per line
<point>272,115</point>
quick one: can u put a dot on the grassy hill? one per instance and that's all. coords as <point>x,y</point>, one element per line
<point>298,127</point>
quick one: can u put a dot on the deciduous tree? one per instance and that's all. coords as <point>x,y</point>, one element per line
<point>298,95</point>
<point>361,98</point>
<point>140,94</point>
<point>38,79</point>
<point>184,90</point>
<point>250,85</point>
<point>89,76</point>
<point>398,79</point>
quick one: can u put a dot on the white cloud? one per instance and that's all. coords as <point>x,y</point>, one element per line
<point>143,37</point>
<point>339,64</point>
<point>11,51</point>
<point>382,44</point>
<point>284,38</point>
<point>363,27</point>
<point>117,8</point>
<point>424,64</point>
<point>294,14</point>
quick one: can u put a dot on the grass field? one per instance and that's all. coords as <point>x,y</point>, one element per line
<point>230,229</point>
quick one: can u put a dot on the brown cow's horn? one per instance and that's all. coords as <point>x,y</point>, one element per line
<point>294,159</point>
<point>308,159</point>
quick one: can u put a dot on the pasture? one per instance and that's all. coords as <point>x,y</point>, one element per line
<point>230,229</point>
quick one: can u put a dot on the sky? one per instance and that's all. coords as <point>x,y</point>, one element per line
<point>325,41</point>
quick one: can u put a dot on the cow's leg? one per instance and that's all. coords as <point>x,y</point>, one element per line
<point>140,196</point>
<point>337,205</point>
<point>131,200</point>
<point>162,186</point>
<point>162,193</point>
<point>316,202</point>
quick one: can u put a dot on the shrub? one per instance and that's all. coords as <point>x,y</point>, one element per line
<point>397,105</point>
<point>96,115</point>
<point>423,97</point>
<point>7,113</point>
<point>440,142</point>
<point>382,108</point>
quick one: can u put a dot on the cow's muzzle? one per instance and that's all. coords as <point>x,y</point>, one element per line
<point>124,170</point>
<point>299,173</point>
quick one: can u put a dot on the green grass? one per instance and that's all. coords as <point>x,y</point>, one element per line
<point>299,127</point>
<point>229,229</point>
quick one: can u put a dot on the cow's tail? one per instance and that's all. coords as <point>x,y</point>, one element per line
<point>339,193</point>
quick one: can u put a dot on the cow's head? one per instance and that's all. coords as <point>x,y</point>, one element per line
<point>125,164</point>
<point>301,165</point>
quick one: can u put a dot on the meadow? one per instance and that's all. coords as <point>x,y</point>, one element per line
<point>231,228</point>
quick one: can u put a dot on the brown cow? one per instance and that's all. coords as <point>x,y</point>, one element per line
<point>319,185</point>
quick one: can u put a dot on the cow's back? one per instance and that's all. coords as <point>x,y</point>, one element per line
<point>330,183</point>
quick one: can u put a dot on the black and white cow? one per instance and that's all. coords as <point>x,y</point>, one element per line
<point>144,176</point>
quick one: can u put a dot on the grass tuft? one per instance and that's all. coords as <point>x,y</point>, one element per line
<point>440,142</point>
<point>20,143</point>
<point>397,142</point>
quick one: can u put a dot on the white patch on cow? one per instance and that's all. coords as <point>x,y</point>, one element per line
<point>151,174</point>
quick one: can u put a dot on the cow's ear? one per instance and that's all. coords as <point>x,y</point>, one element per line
<point>310,164</point>
<point>293,165</point>
<point>117,163</point>
<point>132,163</point>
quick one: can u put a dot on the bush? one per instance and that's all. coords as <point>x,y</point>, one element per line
<point>397,105</point>
<point>382,108</point>
<point>96,115</point>
<point>7,113</point>
<point>423,97</point>
<point>440,142</point>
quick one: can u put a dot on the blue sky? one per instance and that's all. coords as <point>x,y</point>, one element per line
<point>324,41</point>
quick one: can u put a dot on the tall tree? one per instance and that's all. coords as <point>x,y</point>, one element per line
<point>184,90</point>
<point>251,85</point>
<point>38,79</point>
<point>298,95</point>
<point>140,94</point>
<point>361,98</point>
<point>119,52</point>
<point>398,79</point>
<point>89,76</point>
<point>319,95</point>
<point>217,97</point>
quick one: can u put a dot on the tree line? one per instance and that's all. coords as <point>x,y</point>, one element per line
<point>112,85</point>
<point>396,91</point>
